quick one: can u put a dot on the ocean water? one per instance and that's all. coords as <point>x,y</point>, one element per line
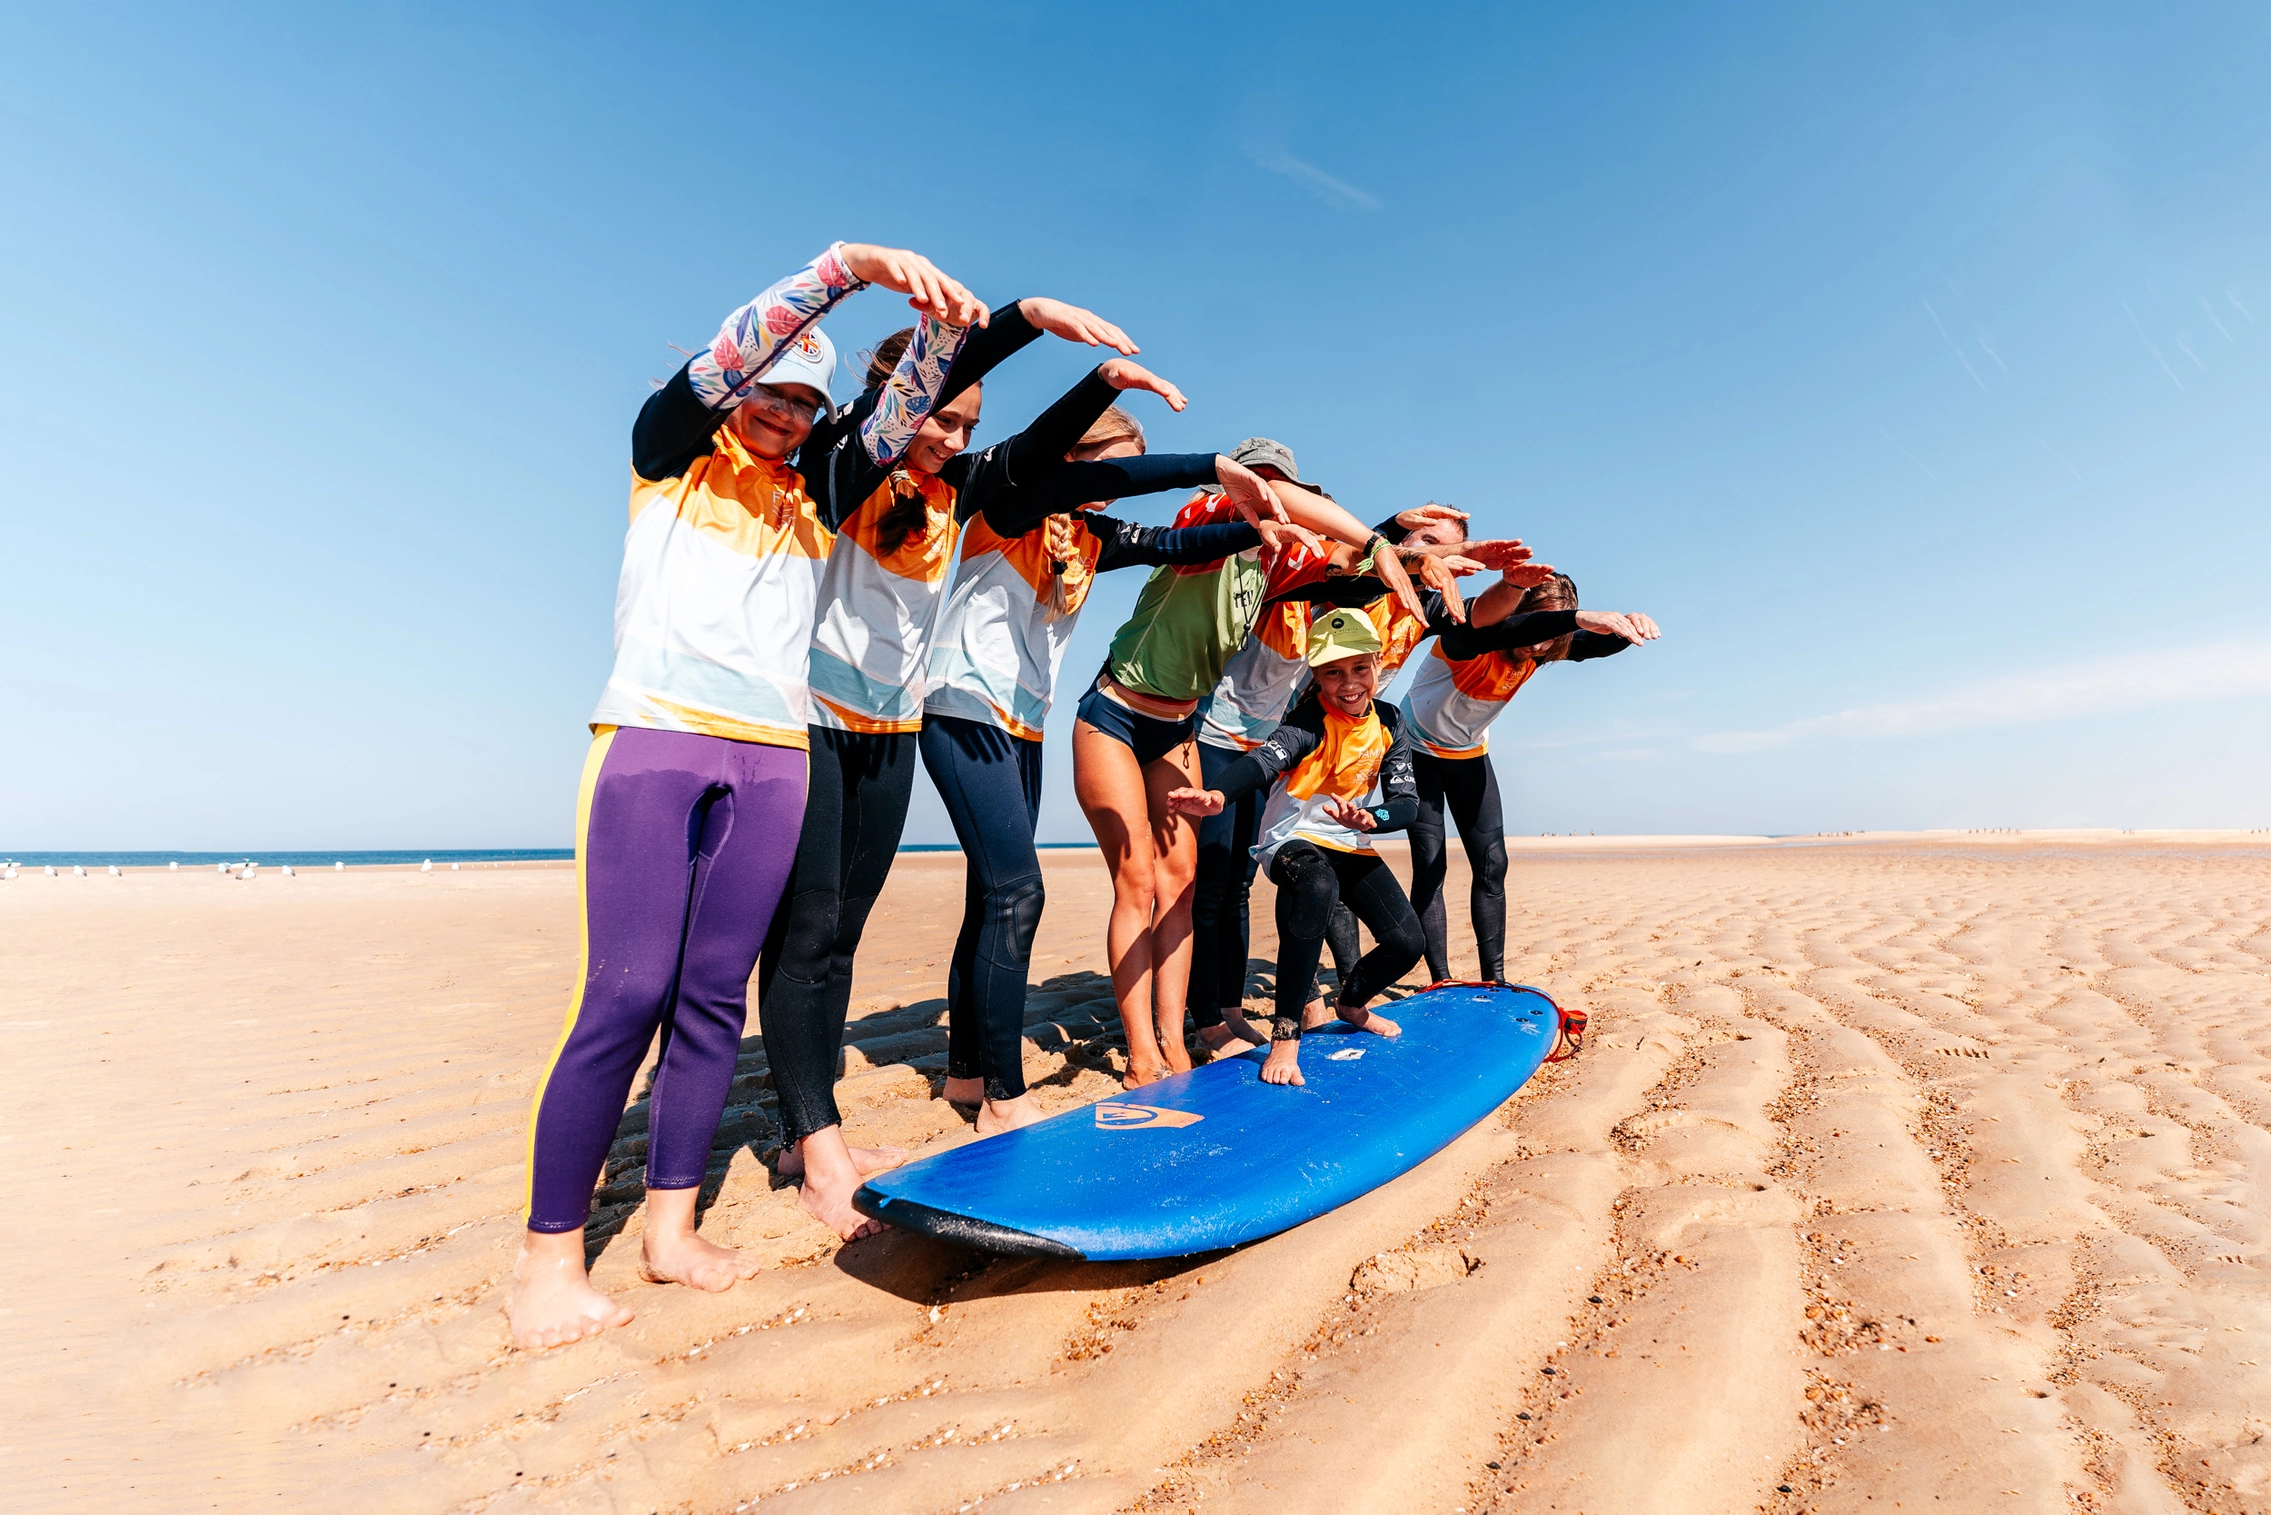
<point>440,855</point>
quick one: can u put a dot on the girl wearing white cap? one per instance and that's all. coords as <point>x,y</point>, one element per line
<point>696,774</point>
<point>1338,770</point>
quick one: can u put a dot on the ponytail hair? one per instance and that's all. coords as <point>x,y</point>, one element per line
<point>884,356</point>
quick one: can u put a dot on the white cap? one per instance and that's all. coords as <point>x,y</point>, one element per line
<point>808,358</point>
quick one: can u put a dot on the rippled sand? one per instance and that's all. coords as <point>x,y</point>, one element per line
<point>1903,1174</point>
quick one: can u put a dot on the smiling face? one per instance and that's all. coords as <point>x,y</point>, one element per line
<point>774,421</point>
<point>945,433</point>
<point>1347,684</point>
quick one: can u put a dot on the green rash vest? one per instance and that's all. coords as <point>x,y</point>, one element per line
<point>1189,619</point>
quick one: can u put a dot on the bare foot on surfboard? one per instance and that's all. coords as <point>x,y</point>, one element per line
<point>1283,1065</point>
<point>1364,1020</point>
<point>1139,1074</point>
<point>553,1302</point>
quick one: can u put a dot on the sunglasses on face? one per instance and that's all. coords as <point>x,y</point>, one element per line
<point>767,397</point>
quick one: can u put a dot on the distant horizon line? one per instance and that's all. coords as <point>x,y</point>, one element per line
<point>398,856</point>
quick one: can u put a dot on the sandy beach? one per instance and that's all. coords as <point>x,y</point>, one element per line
<point>1897,1173</point>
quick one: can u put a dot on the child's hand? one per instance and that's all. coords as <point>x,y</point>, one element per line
<point>1200,802</point>
<point>1341,813</point>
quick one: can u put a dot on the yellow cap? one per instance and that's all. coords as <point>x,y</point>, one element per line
<point>1341,634</point>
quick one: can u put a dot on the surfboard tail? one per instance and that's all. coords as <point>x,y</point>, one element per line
<point>962,1230</point>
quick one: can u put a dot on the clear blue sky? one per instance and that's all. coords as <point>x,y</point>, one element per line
<point>1911,369</point>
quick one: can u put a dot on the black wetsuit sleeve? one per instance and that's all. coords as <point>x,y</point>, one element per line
<point>992,482</point>
<point>674,429</point>
<point>1389,529</point>
<point>1524,630</point>
<point>1007,332</point>
<point>1068,486</point>
<point>1129,546</point>
<point>838,473</point>
<point>1295,738</point>
<point>1595,644</point>
<point>1399,780</point>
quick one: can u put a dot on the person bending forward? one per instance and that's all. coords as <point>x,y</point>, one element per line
<point>1339,770</point>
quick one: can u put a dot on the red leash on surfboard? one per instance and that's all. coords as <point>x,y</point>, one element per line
<point>1572,1023</point>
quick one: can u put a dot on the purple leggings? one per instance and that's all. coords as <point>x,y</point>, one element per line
<point>683,845</point>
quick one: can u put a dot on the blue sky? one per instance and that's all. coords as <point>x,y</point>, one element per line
<point>1911,369</point>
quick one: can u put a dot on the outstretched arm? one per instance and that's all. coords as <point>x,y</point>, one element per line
<point>678,420</point>
<point>1295,738</point>
<point>1311,510</point>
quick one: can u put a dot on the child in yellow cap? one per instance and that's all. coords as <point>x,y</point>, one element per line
<point>1339,770</point>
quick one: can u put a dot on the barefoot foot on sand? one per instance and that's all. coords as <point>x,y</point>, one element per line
<point>553,1302</point>
<point>1283,1065</point>
<point>686,1258</point>
<point>1364,1020</point>
<point>868,1160</point>
<point>1228,1041</point>
<point>999,1115</point>
<point>965,1091</point>
<point>1139,1074</point>
<point>831,1177</point>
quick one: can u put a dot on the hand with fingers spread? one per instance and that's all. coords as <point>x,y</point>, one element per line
<point>1498,553</point>
<point>1388,568</point>
<point>1346,813</point>
<point>915,276</point>
<point>1422,515</point>
<point>1199,802</point>
<point>1121,374</point>
<point>1075,325</point>
<point>1632,626</point>
<point>1441,574</point>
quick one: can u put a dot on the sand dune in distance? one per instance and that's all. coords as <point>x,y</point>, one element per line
<point>1917,1173</point>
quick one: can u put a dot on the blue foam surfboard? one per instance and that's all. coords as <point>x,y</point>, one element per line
<point>1216,1158</point>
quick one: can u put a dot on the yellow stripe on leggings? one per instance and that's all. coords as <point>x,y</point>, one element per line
<point>603,737</point>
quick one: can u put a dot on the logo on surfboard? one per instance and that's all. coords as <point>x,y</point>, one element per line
<point>1126,1117</point>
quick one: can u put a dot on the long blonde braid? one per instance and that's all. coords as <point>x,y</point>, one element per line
<point>1068,572</point>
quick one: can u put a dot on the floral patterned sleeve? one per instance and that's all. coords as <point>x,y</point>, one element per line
<point>753,337</point>
<point>911,391</point>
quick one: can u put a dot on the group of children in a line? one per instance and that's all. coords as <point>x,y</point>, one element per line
<point>793,635</point>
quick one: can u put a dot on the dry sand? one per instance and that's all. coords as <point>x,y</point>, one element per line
<point>1919,1174</point>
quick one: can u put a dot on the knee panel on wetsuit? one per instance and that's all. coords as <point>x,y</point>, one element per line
<point>1018,906</point>
<point>1308,890</point>
<point>1490,868</point>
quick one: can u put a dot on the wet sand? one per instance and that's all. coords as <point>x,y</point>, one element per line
<point>1902,1172</point>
